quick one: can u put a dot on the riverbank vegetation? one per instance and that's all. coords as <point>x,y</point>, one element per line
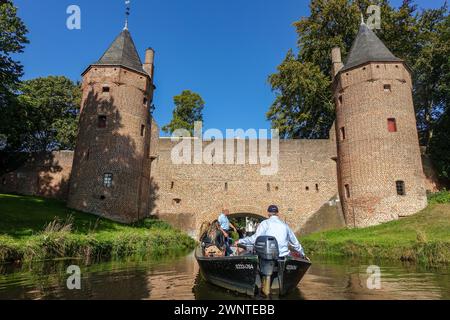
<point>423,238</point>
<point>36,229</point>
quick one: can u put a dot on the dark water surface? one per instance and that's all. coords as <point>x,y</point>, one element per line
<point>179,278</point>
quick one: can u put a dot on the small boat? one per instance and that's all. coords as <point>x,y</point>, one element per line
<point>258,270</point>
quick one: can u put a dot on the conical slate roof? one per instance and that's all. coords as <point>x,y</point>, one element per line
<point>122,52</point>
<point>367,47</point>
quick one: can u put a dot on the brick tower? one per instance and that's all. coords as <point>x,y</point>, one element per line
<point>380,173</point>
<point>111,168</point>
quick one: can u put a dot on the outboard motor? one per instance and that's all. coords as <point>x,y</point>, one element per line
<point>266,247</point>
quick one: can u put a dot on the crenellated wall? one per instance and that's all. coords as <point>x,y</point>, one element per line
<point>305,181</point>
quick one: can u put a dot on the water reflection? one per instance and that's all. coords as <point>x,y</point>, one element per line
<point>179,279</point>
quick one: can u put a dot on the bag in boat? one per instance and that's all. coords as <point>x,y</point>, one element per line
<point>213,251</point>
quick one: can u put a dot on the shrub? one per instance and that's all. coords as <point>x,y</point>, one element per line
<point>439,197</point>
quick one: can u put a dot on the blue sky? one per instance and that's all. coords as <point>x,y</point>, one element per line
<point>222,49</point>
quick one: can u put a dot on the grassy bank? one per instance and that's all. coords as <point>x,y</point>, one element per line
<point>33,228</point>
<point>423,238</point>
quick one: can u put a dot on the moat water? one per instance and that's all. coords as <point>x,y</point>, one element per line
<point>179,278</point>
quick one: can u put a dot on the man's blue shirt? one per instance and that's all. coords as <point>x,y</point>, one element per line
<point>224,222</point>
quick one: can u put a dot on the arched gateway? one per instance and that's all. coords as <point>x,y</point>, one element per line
<point>124,171</point>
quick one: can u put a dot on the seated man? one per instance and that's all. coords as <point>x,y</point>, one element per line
<point>276,228</point>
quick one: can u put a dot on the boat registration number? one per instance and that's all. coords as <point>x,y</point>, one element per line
<point>291,267</point>
<point>241,266</point>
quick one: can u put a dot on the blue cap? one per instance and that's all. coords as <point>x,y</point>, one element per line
<point>273,209</point>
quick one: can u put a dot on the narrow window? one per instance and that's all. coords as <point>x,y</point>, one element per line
<point>276,188</point>
<point>101,122</point>
<point>172,184</point>
<point>307,188</point>
<point>387,88</point>
<point>145,101</point>
<point>340,100</point>
<point>342,133</point>
<point>392,125</point>
<point>347,191</point>
<point>105,89</point>
<point>87,154</point>
<point>142,130</point>
<point>268,187</point>
<point>107,180</point>
<point>400,186</point>
<point>226,186</point>
<point>317,187</point>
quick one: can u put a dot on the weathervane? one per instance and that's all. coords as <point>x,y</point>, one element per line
<point>127,13</point>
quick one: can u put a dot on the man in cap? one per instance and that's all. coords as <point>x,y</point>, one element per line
<point>276,228</point>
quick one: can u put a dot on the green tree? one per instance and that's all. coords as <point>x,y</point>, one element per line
<point>46,116</point>
<point>300,88</point>
<point>188,109</point>
<point>308,111</point>
<point>411,35</point>
<point>431,69</point>
<point>12,40</point>
<point>439,147</point>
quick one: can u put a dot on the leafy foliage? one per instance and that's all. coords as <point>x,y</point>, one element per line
<point>431,70</point>
<point>420,38</point>
<point>440,147</point>
<point>12,41</point>
<point>44,117</point>
<point>188,109</point>
<point>439,197</point>
<point>301,88</point>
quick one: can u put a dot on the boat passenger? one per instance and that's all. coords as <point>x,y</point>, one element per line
<point>276,228</point>
<point>225,225</point>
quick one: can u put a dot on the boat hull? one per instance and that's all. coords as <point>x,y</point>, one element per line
<point>241,273</point>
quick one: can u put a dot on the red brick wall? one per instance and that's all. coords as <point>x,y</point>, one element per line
<point>118,149</point>
<point>199,194</point>
<point>371,159</point>
<point>43,175</point>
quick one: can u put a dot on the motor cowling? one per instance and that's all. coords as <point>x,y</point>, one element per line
<point>266,247</point>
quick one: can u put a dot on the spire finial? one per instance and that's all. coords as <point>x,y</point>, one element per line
<point>127,13</point>
<point>362,18</point>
